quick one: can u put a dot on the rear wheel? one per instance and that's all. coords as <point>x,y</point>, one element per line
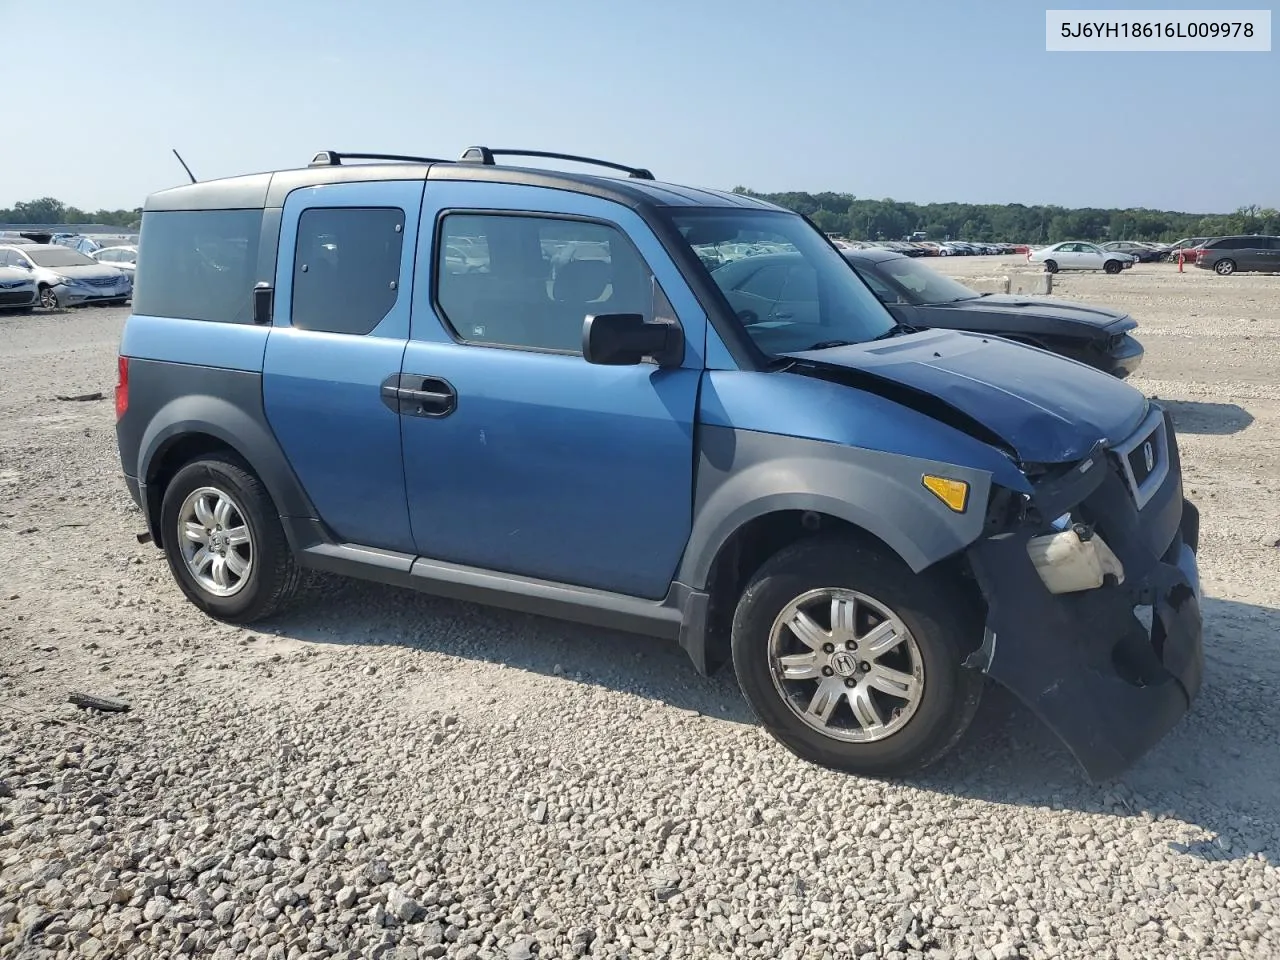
<point>1112,266</point>
<point>852,661</point>
<point>1225,267</point>
<point>224,542</point>
<point>1051,266</point>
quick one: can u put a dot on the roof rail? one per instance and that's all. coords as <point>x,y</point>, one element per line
<point>485,155</point>
<point>332,158</point>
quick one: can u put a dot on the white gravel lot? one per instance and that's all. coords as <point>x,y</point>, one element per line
<point>382,774</point>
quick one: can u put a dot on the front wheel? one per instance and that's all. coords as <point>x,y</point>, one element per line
<point>224,542</point>
<point>1051,266</point>
<point>854,662</point>
<point>1112,266</point>
<point>48,299</point>
<point>1224,268</point>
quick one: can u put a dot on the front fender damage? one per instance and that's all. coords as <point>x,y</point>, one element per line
<point>1109,686</point>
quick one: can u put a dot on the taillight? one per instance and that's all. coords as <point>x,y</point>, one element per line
<point>122,386</point>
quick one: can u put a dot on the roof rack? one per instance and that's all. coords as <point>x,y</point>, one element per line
<point>485,155</point>
<point>332,158</point>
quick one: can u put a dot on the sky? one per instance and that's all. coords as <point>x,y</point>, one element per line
<point>921,101</point>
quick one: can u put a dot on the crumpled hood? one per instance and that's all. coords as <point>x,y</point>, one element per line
<point>1044,408</point>
<point>1007,304</point>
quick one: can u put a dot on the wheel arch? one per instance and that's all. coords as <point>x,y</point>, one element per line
<point>192,427</point>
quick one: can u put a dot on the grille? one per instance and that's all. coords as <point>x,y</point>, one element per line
<point>1138,459</point>
<point>102,281</point>
<point>1144,478</point>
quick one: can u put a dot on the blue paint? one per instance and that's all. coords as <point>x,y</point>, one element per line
<point>228,346</point>
<point>552,467</point>
<point>321,391</point>
<point>794,405</point>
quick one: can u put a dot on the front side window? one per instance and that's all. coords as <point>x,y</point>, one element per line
<point>530,281</point>
<point>821,300</point>
<point>200,264</point>
<point>346,268</point>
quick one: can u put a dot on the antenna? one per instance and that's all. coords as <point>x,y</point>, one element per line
<point>184,166</point>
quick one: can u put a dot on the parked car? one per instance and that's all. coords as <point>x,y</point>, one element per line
<point>1141,252</point>
<point>1248,254</point>
<point>17,288</point>
<point>1078,255</point>
<point>65,277</point>
<point>123,257</point>
<point>74,241</point>
<point>865,521</point>
<point>922,298</point>
<point>1187,245</point>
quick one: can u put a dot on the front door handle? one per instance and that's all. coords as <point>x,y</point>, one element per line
<point>415,395</point>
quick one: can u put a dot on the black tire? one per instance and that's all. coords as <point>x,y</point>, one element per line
<point>48,299</point>
<point>273,578</point>
<point>1112,266</point>
<point>1051,266</point>
<point>943,621</point>
<point>1224,267</point>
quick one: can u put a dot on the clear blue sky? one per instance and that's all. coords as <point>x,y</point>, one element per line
<point>923,101</point>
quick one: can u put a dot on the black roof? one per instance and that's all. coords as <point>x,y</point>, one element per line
<point>270,189</point>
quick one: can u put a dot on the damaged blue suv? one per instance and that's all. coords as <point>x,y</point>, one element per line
<point>530,388</point>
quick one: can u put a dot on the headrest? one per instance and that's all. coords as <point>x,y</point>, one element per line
<point>581,281</point>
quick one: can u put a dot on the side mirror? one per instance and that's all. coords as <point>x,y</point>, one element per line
<point>264,296</point>
<point>623,339</point>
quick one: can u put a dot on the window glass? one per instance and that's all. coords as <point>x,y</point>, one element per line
<point>882,289</point>
<point>824,301</point>
<point>200,264</point>
<point>346,268</point>
<point>766,282</point>
<point>531,281</point>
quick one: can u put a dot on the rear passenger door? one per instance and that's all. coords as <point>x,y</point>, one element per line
<point>526,459</point>
<point>344,280</point>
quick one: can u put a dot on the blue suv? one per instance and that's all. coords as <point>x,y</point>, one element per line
<point>528,388</point>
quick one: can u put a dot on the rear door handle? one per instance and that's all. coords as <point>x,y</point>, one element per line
<point>416,395</point>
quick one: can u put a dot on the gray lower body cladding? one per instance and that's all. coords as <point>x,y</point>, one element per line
<point>1107,684</point>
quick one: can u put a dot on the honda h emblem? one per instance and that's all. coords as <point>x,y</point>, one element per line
<point>1149,454</point>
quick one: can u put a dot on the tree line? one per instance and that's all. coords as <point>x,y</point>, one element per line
<point>49,210</point>
<point>845,215</point>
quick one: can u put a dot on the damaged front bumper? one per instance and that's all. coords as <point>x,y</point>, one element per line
<point>1107,683</point>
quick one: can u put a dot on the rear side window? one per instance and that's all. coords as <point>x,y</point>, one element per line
<point>198,264</point>
<point>1229,243</point>
<point>346,269</point>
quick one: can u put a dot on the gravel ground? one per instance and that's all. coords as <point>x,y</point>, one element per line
<point>383,774</point>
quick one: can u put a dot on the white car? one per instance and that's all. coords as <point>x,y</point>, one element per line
<point>17,290</point>
<point>124,257</point>
<point>66,277</point>
<point>1079,255</point>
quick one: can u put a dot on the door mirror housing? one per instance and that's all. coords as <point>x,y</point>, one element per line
<point>623,339</point>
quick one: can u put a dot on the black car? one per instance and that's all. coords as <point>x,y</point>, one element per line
<point>921,297</point>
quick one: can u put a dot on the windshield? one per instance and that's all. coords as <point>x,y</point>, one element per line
<point>790,289</point>
<point>58,257</point>
<point>924,285</point>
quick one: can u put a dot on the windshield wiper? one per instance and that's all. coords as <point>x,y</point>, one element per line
<point>824,344</point>
<point>897,330</point>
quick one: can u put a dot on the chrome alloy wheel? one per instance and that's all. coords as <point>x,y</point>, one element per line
<point>846,665</point>
<point>215,541</point>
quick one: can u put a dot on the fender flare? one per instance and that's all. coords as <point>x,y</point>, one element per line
<point>235,427</point>
<point>881,493</point>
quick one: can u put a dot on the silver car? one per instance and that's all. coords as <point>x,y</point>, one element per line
<point>125,257</point>
<point>17,290</point>
<point>67,278</point>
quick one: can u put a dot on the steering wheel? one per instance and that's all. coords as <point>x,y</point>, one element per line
<point>748,317</point>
